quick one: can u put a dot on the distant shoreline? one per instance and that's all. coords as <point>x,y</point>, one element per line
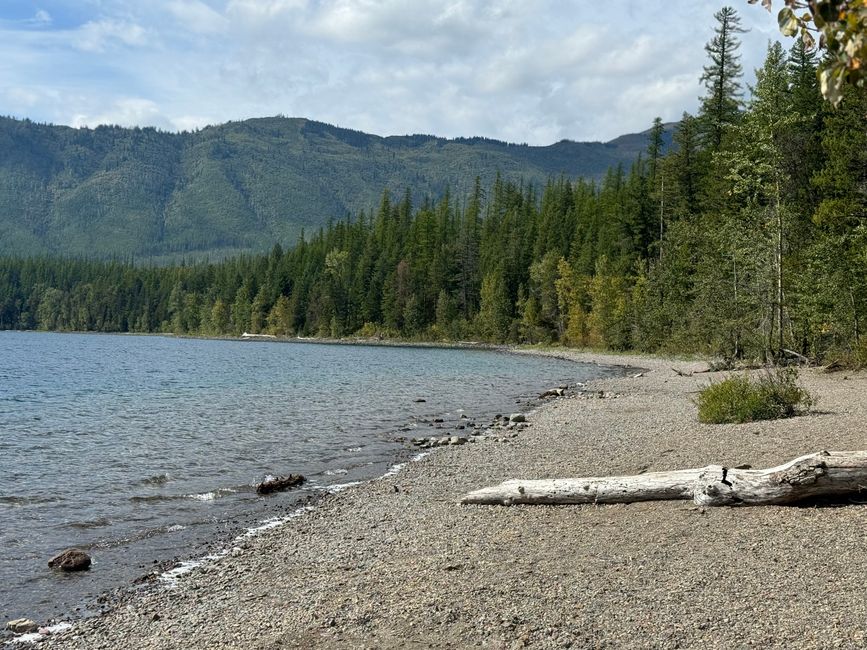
<point>386,342</point>
<point>366,341</point>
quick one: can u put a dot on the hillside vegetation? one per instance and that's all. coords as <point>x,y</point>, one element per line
<point>747,240</point>
<point>240,186</point>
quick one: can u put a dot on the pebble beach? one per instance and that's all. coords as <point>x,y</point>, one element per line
<point>398,563</point>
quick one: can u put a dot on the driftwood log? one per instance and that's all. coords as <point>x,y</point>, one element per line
<point>823,474</point>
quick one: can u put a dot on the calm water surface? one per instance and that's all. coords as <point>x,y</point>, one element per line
<point>144,449</point>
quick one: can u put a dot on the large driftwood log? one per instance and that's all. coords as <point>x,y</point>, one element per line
<point>823,474</point>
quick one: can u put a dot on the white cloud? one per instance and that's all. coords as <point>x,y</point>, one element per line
<point>98,36</point>
<point>42,18</point>
<point>128,111</point>
<point>520,70</point>
<point>197,17</point>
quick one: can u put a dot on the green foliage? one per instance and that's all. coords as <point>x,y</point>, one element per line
<point>775,394</point>
<point>842,29</point>
<point>240,186</point>
<point>722,78</point>
<point>739,248</point>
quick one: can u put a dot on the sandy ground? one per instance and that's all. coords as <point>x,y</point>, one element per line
<point>397,563</point>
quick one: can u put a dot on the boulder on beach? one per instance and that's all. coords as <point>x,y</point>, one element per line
<point>72,559</point>
<point>22,626</point>
<point>279,483</point>
<point>517,417</point>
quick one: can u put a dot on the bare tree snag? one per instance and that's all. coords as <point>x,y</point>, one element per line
<point>823,474</point>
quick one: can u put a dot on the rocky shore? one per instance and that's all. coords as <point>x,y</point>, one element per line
<point>396,563</point>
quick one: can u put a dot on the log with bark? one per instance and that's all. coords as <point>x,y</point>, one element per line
<point>823,474</point>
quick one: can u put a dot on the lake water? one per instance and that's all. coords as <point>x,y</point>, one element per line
<point>145,449</point>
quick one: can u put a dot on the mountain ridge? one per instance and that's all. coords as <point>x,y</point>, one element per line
<point>243,185</point>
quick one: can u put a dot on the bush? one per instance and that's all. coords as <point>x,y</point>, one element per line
<point>776,394</point>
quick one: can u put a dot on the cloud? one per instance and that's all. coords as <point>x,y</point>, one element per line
<point>42,18</point>
<point>197,17</point>
<point>532,71</point>
<point>100,35</point>
<point>128,111</point>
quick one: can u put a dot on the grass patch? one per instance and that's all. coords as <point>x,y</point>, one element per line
<point>775,394</point>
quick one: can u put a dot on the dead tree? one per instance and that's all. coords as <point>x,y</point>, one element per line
<point>823,474</point>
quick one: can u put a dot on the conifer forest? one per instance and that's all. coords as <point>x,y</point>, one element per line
<point>745,238</point>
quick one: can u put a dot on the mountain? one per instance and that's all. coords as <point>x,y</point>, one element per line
<point>240,186</point>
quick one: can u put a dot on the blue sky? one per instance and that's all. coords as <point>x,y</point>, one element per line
<point>533,71</point>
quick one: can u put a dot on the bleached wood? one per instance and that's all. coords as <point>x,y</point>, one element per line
<point>824,473</point>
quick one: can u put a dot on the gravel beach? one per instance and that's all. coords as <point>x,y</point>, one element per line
<point>397,563</point>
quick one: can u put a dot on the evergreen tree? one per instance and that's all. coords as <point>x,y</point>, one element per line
<point>722,78</point>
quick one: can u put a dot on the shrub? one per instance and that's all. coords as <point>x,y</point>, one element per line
<point>776,394</point>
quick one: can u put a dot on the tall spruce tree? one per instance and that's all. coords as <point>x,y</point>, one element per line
<point>654,147</point>
<point>722,78</point>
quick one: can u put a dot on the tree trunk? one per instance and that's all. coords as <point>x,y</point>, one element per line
<point>823,474</point>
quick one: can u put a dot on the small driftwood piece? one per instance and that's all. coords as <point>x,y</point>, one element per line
<point>823,474</point>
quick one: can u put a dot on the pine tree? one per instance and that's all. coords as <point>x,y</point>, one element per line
<point>655,143</point>
<point>492,321</point>
<point>721,105</point>
<point>686,164</point>
<point>755,170</point>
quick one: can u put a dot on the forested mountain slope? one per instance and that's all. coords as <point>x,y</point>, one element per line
<point>240,186</point>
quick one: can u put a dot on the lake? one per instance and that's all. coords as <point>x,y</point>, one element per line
<point>144,449</point>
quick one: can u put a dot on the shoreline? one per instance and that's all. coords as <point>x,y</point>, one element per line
<point>257,338</point>
<point>396,562</point>
<point>213,548</point>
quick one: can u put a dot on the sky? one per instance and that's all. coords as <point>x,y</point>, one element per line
<point>534,71</point>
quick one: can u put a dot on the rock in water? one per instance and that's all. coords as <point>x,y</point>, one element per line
<point>72,559</point>
<point>279,483</point>
<point>517,417</point>
<point>22,626</point>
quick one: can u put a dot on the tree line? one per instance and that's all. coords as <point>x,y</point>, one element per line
<point>747,239</point>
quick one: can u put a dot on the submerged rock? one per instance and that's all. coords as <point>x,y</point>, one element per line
<point>279,483</point>
<point>22,626</point>
<point>72,559</point>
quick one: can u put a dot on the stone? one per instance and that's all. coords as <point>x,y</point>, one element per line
<point>72,559</point>
<point>22,626</point>
<point>420,400</point>
<point>279,483</point>
<point>517,417</point>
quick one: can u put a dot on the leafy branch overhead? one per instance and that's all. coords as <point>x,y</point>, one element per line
<point>841,29</point>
